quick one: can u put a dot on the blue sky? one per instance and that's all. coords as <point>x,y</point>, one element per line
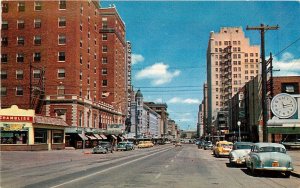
<point>169,41</point>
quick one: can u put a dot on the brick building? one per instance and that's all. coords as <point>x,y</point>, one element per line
<point>52,61</point>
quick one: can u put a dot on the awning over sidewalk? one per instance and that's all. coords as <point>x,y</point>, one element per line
<point>83,137</point>
<point>103,136</point>
<point>114,136</point>
<point>91,137</point>
<point>283,130</point>
<point>98,136</point>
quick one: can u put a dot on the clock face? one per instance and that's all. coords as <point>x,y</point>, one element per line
<point>283,105</point>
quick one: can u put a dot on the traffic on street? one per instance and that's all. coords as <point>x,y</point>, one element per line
<point>158,166</point>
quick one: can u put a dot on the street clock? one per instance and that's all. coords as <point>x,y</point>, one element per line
<point>284,105</point>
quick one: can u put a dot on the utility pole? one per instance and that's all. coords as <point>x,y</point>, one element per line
<point>262,28</point>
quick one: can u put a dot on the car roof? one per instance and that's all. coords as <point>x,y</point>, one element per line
<point>265,144</point>
<point>243,143</point>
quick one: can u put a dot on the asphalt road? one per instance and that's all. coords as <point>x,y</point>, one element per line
<point>161,166</point>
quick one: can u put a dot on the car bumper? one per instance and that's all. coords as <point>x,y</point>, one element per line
<point>275,168</point>
<point>238,161</point>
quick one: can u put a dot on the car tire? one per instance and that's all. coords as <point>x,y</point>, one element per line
<point>287,174</point>
<point>253,171</point>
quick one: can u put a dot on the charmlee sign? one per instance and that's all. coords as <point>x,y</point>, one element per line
<point>16,118</point>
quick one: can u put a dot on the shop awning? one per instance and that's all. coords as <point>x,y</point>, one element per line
<point>54,121</point>
<point>91,137</point>
<point>114,136</point>
<point>283,130</point>
<point>98,136</point>
<point>103,136</point>
<point>83,137</point>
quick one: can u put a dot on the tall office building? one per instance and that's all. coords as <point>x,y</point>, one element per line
<point>231,62</point>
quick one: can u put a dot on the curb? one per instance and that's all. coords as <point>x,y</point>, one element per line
<point>295,174</point>
<point>87,152</point>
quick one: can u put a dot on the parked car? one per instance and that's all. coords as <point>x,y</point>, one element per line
<point>201,144</point>
<point>207,145</point>
<point>130,146</point>
<point>239,152</point>
<point>269,157</point>
<point>122,146</point>
<point>103,147</point>
<point>222,148</point>
<point>178,144</point>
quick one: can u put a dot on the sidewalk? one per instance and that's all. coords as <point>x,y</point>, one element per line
<point>295,155</point>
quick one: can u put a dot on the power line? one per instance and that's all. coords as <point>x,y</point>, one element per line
<point>287,47</point>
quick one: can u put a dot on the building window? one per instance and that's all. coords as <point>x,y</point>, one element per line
<point>62,4</point>
<point>37,6</point>
<point>80,119</point>
<point>36,74</point>
<point>19,74</point>
<point>3,91</point>
<point>88,80</point>
<point>4,41</point>
<point>19,91</point>
<point>95,41</point>
<point>95,56</point>
<point>21,6</point>
<point>61,73</point>
<point>95,83</point>
<point>20,58</point>
<point>4,25</point>
<point>89,35</point>
<point>104,36</point>
<point>60,90</point>
<point>37,56</point>
<point>3,74</point>
<point>20,41</point>
<point>40,136</point>
<point>81,9</point>
<point>104,71</point>
<point>37,23</point>
<point>80,43</point>
<point>291,88</point>
<point>104,60</point>
<point>104,48</point>
<point>3,58</point>
<point>80,59</point>
<point>21,24</point>
<point>4,7</point>
<point>37,40</point>
<point>80,75</point>
<point>61,39</point>
<point>61,56</point>
<point>62,22</point>
<point>58,136</point>
<point>104,83</point>
<point>104,25</point>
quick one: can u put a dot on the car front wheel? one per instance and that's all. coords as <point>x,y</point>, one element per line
<point>287,174</point>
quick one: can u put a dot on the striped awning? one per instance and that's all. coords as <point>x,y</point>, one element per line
<point>103,136</point>
<point>98,136</point>
<point>114,136</point>
<point>91,137</point>
<point>83,137</point>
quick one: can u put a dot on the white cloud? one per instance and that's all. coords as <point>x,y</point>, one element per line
<point>136,58</point>
<point>287,64</point>
<point>158,73</point>
<point>177,100</point>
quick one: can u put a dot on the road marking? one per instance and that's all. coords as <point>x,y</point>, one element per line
<point>105,170</point>
<point>157,176</point>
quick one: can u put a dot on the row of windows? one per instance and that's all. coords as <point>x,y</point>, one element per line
<point>37,23</point>
<point>36,57</point>
<point>226,43</point>
<point>37,40</point>
<point>233,55</point>
<point>36,74</point>
<point>62,5</point>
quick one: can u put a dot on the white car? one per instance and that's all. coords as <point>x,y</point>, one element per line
<point>240,150</point>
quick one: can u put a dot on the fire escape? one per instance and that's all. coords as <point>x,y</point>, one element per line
<point>226,77</point>
<point>37,91</point>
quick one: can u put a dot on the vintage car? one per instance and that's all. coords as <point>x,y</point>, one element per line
<point>269,157</point>
<point>207,145</point>
<point>145,144</point>
<point>222,148</point>
<point>239,152</point>
<point>122,146</point>
<point>103,147</point>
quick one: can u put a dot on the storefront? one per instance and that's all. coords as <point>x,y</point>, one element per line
<point>21,130</point>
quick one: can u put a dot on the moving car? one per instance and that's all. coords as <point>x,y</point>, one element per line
<point>145,144</point>
<point>269,157</point>
<point>222,148</point>
<point>239,152</point>
<point>178,144</point>
<point>103,147</point>
<point>207,145</point>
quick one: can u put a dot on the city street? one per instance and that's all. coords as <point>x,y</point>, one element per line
<point>160,166</point>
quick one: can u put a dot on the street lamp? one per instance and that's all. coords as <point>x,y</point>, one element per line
<point>239,125</point>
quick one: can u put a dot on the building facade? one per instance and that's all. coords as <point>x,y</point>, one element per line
<point>231,62</point>
<point>53,61</point>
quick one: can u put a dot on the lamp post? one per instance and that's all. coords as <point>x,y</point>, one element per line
<point>239,125</point>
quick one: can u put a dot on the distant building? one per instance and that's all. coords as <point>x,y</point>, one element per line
<point>231,62</point>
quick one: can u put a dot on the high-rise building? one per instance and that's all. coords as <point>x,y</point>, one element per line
<point>59,57</point>
<point>231,62</point>
<point>114,65</point>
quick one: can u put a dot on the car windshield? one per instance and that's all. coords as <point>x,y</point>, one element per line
<point>226,145</point>
<point>272,149</point>
<point>243,146</point>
